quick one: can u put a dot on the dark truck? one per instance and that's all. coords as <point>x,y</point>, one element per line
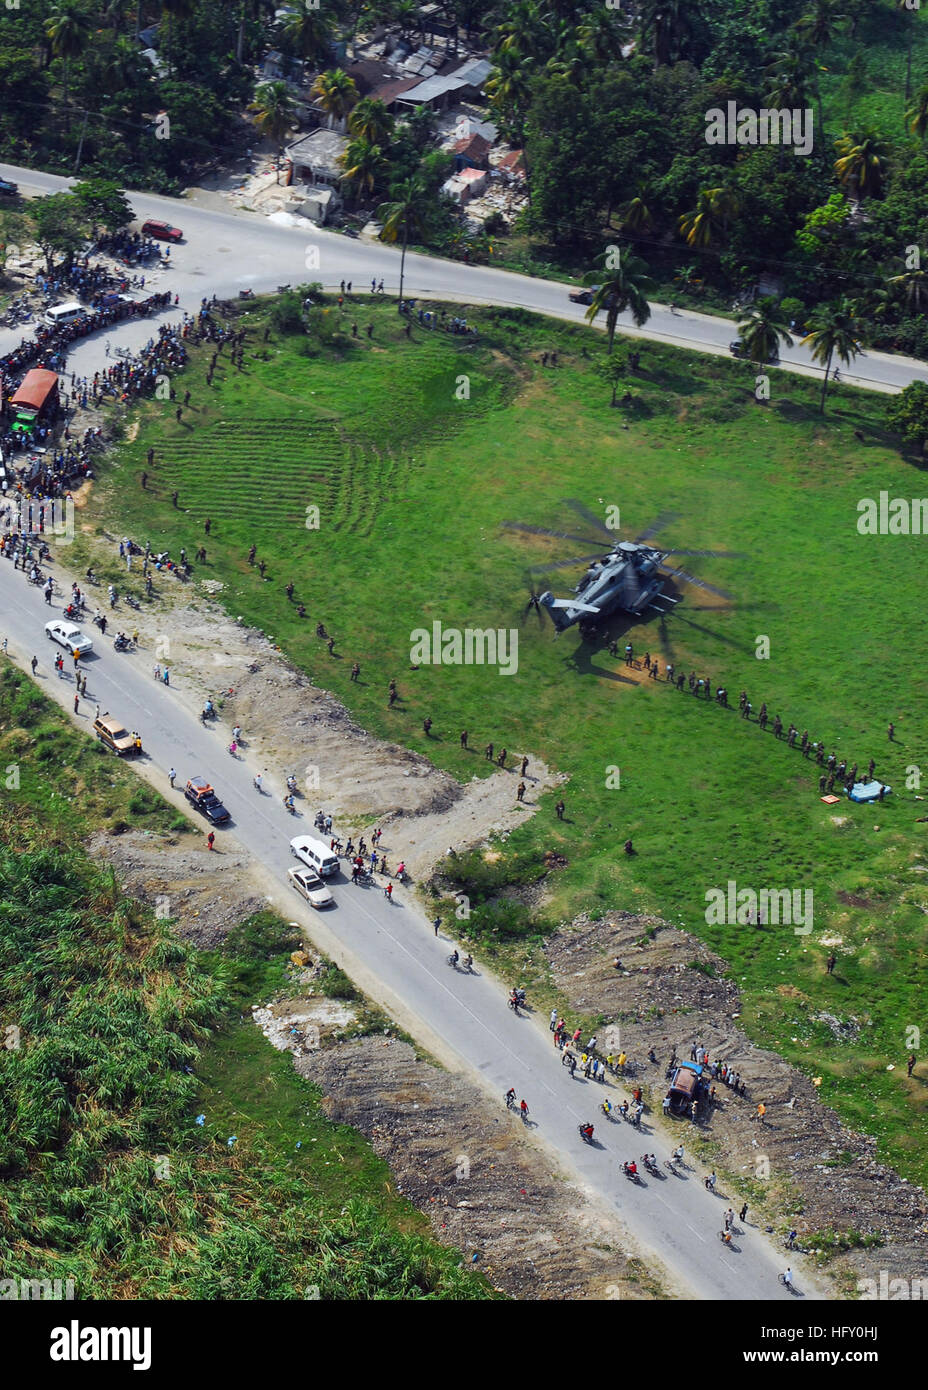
<point>35,401</point>
<point>201,795</point>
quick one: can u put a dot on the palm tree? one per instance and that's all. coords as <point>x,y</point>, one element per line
<point>916,117</point>
<point>371,120</point>
<point>121,67</point>
<point>714,207</point>
<point>821,24</point>
<point>764,330</point>
<point>175,9</point>
<point>307,31</point>
<point>275,112</point>
<point>114,14</point>
<point>626,287</point>
<point>914,284</point>
<point>365,165</point>
<point>788,72</point>
<point>669,22</point>
<point>907,5</point>
<point>507,89</point>
<point>636,214</point>
<point>834,329</point>
<point>862,163</point>
<point>820,29</point>
<point>404,216</point>
<point>336,93</point>
<point>67,30</point>
<point>599,37</point>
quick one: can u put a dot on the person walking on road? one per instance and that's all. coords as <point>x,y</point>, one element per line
<point>743,1213</point>
<point>436,924</point>
<point>171,775</point>
<point>76,703</point>
<point>523,1110</point>
<point>34,663</point>
<point>210,840</point>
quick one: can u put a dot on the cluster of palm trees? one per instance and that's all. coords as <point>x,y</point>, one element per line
<point>69,30</point>
<point>833,331</point>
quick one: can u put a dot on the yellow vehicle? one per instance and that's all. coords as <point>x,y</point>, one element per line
<point>112,734</point>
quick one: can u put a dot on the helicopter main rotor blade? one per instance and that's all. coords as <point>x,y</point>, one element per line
<point>589,516</point>
<point>545,531</point>
<point>572,603</point>
<point>699,583</point>
<point>567,564</point>
<point>660,521</point>
<point>713,554</point>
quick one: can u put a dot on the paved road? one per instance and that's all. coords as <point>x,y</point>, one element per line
<point>227,250</point>
<point>391,950</point>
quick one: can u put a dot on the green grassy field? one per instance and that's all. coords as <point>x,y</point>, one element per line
<point>413,485</point>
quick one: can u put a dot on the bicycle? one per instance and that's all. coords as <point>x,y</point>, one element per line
<point>725,1238</point>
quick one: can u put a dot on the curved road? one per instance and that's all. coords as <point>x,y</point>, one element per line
<point>226,250</point>
<point>391,950</point>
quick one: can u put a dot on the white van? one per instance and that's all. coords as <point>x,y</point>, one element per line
<point>64,313</point>
<point>317,855</point>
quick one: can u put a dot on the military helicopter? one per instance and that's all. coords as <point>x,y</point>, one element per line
<point>630,577</point>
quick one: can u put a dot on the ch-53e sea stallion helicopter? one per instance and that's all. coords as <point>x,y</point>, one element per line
<point>629,578</point>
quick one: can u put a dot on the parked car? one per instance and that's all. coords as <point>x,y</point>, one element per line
<point>310,886</point>
<point>315,854</point>
<point>8,189</point>
<point>162,230</point>
<point>113,736</point>
<point>584,296</point>
<point>201,795</point>
<point>69,636</point>
<point>737,349</point>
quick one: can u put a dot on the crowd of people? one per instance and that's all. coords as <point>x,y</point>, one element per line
<point>49,348</point>
<point>701,687</point>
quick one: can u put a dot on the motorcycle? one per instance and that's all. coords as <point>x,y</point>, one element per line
<point>246,294</point>
<point>631,1174</point>
<point>319,821</point>
<point>586,1133</point>
<point>133,602</point>
<point>122,644</point>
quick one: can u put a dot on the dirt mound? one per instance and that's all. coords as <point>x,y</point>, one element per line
<point>822,1175</point>
<point>486,1190</point>
<point>178,878</point>
<point>290,725</point>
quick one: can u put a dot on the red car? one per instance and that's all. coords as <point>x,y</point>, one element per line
<point>163,230</point>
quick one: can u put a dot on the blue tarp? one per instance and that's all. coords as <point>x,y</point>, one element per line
<point>868,791</point>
